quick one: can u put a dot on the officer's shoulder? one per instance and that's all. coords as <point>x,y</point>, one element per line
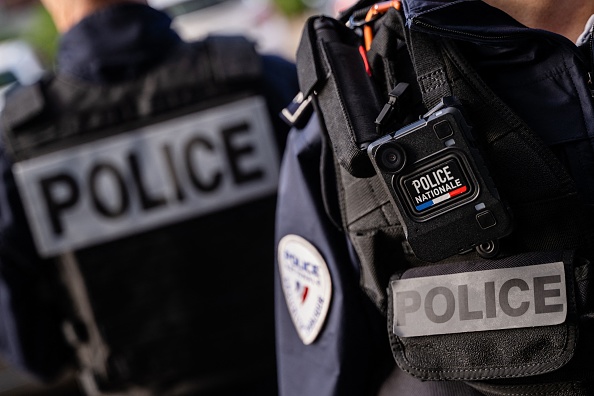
<point>276,63</point>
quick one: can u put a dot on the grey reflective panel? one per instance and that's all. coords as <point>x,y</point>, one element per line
<point>142,179</point>
<point>478,301</point>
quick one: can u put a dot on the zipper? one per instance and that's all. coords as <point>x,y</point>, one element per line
<point>528,32</point>
<point>459,33</point>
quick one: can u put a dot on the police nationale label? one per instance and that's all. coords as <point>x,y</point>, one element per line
<point>482,300</point>
<point>306,284</point>
<point>438,186</point>
<point>146,178</point>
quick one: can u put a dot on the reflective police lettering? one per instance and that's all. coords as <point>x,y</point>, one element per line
<point>143,179</point>
<point>478,301</point>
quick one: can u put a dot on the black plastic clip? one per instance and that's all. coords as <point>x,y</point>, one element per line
<point>394,107</point>
<point>297,113</point>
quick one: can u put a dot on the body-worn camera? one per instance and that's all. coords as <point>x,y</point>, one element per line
<point>438,181</point>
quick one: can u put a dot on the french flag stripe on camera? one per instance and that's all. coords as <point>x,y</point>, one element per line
<point>441,198</point>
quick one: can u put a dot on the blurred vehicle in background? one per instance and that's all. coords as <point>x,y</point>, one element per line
<point>18,63</point>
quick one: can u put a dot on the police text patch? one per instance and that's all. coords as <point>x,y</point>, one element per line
<point>441,185</point>
<point>478,301</point>
<point>149,177</point>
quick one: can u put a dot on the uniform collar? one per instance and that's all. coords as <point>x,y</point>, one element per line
<point>415,8</point>
<point>472,20</point>
<point>585,36</point>
<point>117,43</point>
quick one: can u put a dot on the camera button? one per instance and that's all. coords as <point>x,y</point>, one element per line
<point>486,219</point>
<point>443,129</point>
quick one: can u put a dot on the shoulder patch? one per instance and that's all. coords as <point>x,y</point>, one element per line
<point>306,284</point>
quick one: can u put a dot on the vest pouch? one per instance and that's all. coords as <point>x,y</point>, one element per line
<point>494,319</point>
<point>333,71</point>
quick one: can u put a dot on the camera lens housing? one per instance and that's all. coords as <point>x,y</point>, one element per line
<point>391,157</point>
<point>439,182</point>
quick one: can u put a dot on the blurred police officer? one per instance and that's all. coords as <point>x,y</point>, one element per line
<point>137,199</point>
<point>331,339</point>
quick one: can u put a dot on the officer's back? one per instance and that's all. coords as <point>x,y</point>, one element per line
<point>146,170</point>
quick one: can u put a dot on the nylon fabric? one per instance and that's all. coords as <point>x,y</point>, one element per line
<point>511,146</point>
<point>310,75</point>
<point>162,315</point>
<point>347,118</point>
<point>504,353</point>
<point>401,383</point>
<point>123,50</point>
<point>541,225</point>
<point>584,277</point>
<point>531,169</point>
<point>416,8</point>
<point>367,195</point>
<point>557,389</point>
<point>192,80</point>
<point>371,221</point>
<point>351,318</point>
<point>430,68</point>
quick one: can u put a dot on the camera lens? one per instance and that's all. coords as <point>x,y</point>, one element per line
<point>391,157</point>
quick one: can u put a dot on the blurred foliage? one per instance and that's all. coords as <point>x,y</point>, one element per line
<point>42,35</point>
<point>33,25</point>
<point>291,7</point>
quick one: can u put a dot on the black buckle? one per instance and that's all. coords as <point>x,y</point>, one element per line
<point>297,113</point>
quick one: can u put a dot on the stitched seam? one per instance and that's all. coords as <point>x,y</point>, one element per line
<point>432,77</point>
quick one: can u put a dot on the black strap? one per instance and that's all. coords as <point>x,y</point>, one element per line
<point>331,68</point>
<point>425,52</point>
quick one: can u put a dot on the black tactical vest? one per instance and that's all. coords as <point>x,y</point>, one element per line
<point>348,84</point>
<point>156,199</point>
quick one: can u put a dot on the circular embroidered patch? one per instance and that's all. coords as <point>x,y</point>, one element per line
<point>306,284</point>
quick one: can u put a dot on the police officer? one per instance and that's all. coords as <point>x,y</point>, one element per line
<point>331,339</point>
<point>149,264</point>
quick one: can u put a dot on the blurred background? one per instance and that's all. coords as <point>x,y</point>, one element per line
<point>28,43</point>
<point>28,39</point>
